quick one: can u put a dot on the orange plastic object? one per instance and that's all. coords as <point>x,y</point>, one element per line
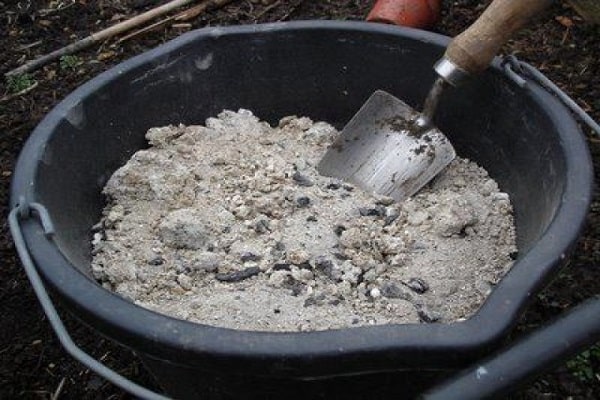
<point>412,13</point>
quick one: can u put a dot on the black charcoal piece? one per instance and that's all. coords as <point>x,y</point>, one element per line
<point>428,316</point>
<point>377,211</point>
<point>394,291</point>
<point>301,180</point>
<point>310,301</point>
<point>303,201</point>
<point>262,226</point>
<point>249,256</point>
<point>417,285</point>
<point>282,266</point>
<point>339,229</point>
<point>238,276</point>
<point>156,261</point>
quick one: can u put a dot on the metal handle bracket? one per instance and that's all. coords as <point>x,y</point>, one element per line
<point>24,211</point>
<point>518,71</point>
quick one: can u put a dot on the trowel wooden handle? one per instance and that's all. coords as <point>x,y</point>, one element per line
<point>474,49</point>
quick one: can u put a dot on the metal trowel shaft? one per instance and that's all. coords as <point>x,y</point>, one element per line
<point>432,100</point>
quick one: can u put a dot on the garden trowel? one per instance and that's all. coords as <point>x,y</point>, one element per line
<point>390,149</point>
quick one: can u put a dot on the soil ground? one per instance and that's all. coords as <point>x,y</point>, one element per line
<point>32,363</point>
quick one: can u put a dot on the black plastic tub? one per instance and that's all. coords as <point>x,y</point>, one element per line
<point>524,137</point>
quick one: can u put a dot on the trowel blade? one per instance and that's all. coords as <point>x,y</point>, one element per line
<point>381,150</point>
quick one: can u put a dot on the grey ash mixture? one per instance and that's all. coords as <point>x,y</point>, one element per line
<point>230,225</point>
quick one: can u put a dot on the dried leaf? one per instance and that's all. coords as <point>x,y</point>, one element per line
<point>118,17</point>
<point>565,21</point>
<point>105,55</point>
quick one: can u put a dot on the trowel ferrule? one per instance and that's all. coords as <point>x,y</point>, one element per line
<point>450,72</point>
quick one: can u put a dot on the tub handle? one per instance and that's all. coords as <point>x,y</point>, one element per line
<point>518,71</point>
<point>507,370</point>
<point>25,210</point>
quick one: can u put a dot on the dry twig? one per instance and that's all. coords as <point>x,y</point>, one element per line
<point>59,389</point>
<point>185,15</point>
<point>100,36</point>
<point>21,93</point>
